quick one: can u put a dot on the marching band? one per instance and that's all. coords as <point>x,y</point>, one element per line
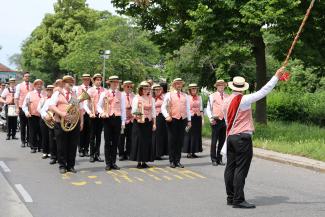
<point>143,127</point>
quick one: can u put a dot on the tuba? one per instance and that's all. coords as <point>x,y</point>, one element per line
<point>73,113</point>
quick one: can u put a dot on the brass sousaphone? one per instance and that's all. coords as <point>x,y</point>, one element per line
<point>68,124</point>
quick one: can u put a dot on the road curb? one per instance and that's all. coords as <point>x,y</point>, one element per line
<point>293,160</point>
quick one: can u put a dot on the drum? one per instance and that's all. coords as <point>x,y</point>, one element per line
<point>12,111</point>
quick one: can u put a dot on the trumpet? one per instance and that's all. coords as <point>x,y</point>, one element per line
<point>106,108</point>
<point>50,123</point>
<point>140,113</point>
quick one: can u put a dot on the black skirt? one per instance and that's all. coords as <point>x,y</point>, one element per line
<point>193,139</point>
<point>159,137</point>
<point>141,150</point>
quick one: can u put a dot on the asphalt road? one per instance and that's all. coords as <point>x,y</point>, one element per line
<point>196,191</point>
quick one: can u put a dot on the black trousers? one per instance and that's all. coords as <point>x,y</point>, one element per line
<point>112,131</point>
<point>67,143</point>
<point>34,132</point>
<point>11,124</point>
<point>45,137</point>
<point>85,135</point>
<point>53,145</point>
<point>96,128</point>
<point>125,143</point>
<point>218,135</point>
<point>176,131</point>
<point>239,157</point>
<point>24,128</point>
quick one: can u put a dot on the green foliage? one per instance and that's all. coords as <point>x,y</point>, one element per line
<point>68,42</point>
<point>50,41</point>
<point>291,138</point>
<point>132,57</point>
<point>297,106</point>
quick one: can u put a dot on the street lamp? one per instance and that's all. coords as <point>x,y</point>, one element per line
<point>105,55</point>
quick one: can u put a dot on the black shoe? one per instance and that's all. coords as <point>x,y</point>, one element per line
<point>172,165</point>
<point>144,165</point>
<point>107,168</point>
<point>189,156</point>
<point>244,205</point>
<point>195,156</point>
<point>139,166</point>
<point>23,145</point>
<point>45,156</point>
<point>97,158</point>
<point>27,144</point>
<point>33,151</point>
<point>81,154</point>
<point>214,163</point>
<point>8,138</point>
<point>220,163</point>
<point>14,138</point>
<point>114,167</point>
<point>62,170</point>
<point>91,159</point>
<point>178,164</point>
<point>53,161</point>
<point>72,170</point>
<point>86,153</point>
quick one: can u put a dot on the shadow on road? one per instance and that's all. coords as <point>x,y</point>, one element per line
<point>274,200</point>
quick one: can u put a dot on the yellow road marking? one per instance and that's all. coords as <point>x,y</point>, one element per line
<point>92,177</point>
<point>168,178</point>
<point>120,174</point>
<point>138,178</point>
<point>190,173</point>
<point>179,177</point>
<point>98,182</point>
<point>79,183</point>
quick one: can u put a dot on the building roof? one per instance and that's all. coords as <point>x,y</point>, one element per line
<point>4,68</point>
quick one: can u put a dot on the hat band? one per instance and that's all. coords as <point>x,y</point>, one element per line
<point>239,85</point>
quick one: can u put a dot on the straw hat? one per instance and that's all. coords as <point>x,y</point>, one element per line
<point>38,81</point>
<point>97,75</point>
<point>156,86</point>
<point>68,79</point>
<point>50,87</point>
<point>238,84</point>
<point>125,83</point>
<point>85,76</point>
<point>177,80</point>
<point>193,86</point>
<point>144,84</point>
<point>220,83</point>
<point>113,78</point>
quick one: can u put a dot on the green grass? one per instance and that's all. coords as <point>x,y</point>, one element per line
<point>289,138</point>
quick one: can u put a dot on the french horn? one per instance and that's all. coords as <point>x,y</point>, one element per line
<point>73,114</point>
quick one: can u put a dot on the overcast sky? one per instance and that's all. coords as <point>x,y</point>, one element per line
<point>20,17</point>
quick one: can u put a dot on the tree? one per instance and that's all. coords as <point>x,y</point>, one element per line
<point>15,60</point>
<point>133,56</point>
<point>218,23</point>
<point>50,41</point>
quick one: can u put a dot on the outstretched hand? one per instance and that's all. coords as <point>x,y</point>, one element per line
<point>280,72</point>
